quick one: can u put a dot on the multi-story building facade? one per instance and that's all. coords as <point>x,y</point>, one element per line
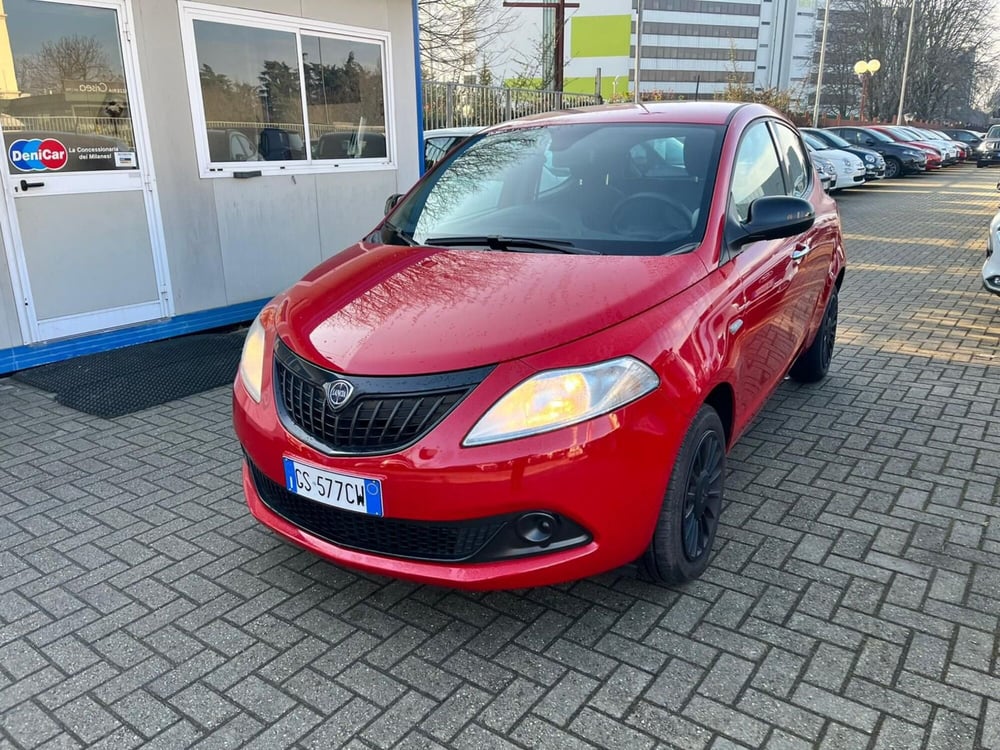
<point>695,47</point>
<point>450,37</point>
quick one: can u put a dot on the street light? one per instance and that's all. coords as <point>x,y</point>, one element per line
<point>865,70</point>
<point>822,59</point>
<point>906,64</point>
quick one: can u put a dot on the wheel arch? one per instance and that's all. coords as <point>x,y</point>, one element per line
<point>722,398</point>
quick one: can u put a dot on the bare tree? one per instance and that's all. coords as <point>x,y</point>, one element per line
<point>69,58</point>
<point>950,61</point>
<point>456,37</point>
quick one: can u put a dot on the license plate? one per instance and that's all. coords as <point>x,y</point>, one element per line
<point>344,491</point>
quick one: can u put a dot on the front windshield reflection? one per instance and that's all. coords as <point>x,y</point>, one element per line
<point>622,189</point>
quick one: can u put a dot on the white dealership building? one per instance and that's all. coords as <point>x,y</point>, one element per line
<point>170,165</point>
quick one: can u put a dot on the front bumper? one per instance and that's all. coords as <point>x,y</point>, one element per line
<point>987,158</point>
<point>874,171</point>
<point>913,165</point>
<point>602,480</point>
<point>991,274</point>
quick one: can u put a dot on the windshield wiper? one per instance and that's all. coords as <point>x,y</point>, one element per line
<point>397,232</point>
<point>513,244</point>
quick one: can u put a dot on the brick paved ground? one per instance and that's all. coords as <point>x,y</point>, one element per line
<point>853,603</point>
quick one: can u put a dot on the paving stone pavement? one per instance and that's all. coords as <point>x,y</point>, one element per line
<point>853,601</point>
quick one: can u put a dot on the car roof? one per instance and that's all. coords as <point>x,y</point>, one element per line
<point>452,132</point>
<point>694,113</point>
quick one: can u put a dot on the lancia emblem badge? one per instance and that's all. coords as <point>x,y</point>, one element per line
<point>338,393</point>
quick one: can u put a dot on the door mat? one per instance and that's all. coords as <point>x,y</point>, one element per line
<point>133,378</point>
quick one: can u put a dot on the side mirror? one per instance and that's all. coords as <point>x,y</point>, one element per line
<point>392,201</point>
<point>774,217</point>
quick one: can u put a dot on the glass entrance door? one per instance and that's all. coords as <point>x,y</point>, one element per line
<point>81,212</point>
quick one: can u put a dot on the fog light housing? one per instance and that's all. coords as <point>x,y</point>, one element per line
<point>537,528</point>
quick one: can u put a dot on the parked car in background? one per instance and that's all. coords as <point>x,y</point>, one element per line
<point>850,169</point>
<point>874,161</point>
<point>899,159</point>
<point>991,268</point>
<point>988,152</point>
<point>935,160</point>
<point>969,137</point>
<point>825,169</point>
<point>351,144</point>
<point>440,141</point>
<point>230,144</point>
<point>952,152</point>
<point>965,148</point>
<point>505,385</point>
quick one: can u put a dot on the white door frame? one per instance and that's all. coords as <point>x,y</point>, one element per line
<point>31,330</point>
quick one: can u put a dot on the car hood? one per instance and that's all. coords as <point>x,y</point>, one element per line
<point>837,153</point>
<point>392,310</point>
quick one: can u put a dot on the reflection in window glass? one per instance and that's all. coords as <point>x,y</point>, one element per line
<point>757,172</point>
<point>250,86</point>
<point>795,160</point>
<point>65,105</point>
<point>571,184</point>
<point>344,94</point>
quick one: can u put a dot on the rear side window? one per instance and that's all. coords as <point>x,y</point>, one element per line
<point>794,160</point>
<point>757,172</point>
<point>851,136</point>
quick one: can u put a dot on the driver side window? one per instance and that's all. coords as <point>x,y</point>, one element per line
<point>757,172</point>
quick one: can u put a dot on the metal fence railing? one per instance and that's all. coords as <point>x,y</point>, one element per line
<point>109,126</point>
<point>449,105</point>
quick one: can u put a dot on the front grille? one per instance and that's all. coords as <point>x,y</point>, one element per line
<point>421,540</point>
<point>385,414</point>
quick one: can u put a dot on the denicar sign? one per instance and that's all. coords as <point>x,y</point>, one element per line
<point>38,155</point>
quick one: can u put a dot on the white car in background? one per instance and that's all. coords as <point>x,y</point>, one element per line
<point>991,268</point>
<point>825,169</point>
<point>850,170</point>
<point>440,141</point>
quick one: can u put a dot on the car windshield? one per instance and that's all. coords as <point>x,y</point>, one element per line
<point>836,140</point>
<point>817,143</point>
<point>994,132</point>
<point>612,188</point>
<point>879,136</point>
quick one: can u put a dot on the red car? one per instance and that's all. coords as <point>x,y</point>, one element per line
<point>934,157</point>
<point>531,371</point>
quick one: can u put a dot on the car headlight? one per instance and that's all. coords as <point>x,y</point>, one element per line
<point>559,398</point>
<point>869,158</point>
<point>252,360</point>
<point>912,154</point>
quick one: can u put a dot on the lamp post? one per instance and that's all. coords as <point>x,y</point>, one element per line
<point>638,51</point>
<point>822,60</point>
<point>906,64</point>
<point>864,70</point>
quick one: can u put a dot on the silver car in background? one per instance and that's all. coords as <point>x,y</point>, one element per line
<point>850,170</point>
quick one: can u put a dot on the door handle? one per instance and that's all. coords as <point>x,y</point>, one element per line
<point>26,186</point>
<point>801,250</point>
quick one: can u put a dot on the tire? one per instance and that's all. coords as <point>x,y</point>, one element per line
<point>689,517</point>
<point>980,164</point>
<point>893,168</point>
<point>814,363</point>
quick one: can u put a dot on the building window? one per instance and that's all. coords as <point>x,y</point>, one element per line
<point>287,94</point>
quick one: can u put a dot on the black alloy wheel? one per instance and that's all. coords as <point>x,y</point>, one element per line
<point>703,499</point>
<point>681,544</point>
<point>814,363</point>
<point>893,167</point>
